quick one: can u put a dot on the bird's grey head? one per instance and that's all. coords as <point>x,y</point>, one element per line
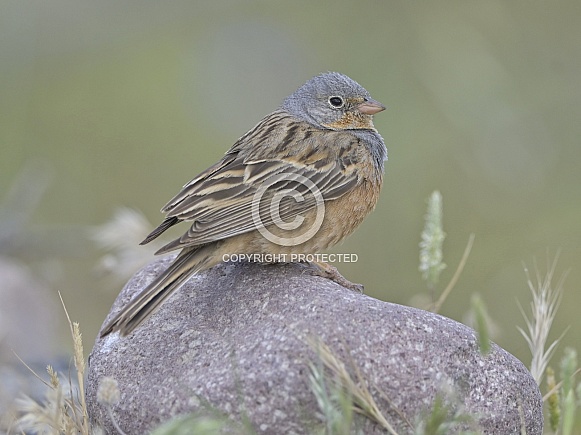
<point>333,101</point>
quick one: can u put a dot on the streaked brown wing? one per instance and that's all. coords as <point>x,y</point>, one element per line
<point>219,202</point>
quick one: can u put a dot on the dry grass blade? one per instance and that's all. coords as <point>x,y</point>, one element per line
<point>558,386</point>
<point>79,359</point>
<point>545,302</point>
<point>362,399</point>
<point>361,380</point>
<point>438,304</point>
<point>45,417</point>
<point>51,415</point>
<point>36,375</point>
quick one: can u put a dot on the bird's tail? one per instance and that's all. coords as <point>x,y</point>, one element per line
<point>186,264</point>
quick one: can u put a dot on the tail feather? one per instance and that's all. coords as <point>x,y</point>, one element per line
<point>167,223</point>
<point>186,264</point>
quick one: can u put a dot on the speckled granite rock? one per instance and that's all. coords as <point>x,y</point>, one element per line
<point>234,336</point>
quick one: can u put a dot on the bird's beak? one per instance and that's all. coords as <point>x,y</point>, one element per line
<point>370,107</point>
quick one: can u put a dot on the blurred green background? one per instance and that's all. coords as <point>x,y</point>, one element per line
<point>113,104</point>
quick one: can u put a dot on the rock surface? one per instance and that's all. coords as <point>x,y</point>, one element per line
<point>234,338</point>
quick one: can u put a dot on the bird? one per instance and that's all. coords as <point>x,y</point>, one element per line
<point>318,150</point>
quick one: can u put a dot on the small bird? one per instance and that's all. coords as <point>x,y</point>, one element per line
<point>318,151</point>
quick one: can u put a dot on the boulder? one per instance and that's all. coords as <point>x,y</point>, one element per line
<point>235,339</point>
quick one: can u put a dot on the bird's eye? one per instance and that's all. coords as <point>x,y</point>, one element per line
<point>336,102</point>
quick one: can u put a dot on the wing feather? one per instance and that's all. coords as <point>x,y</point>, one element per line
<point>219,202</point>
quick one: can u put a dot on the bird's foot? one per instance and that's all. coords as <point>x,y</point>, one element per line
<point>330,272</point>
